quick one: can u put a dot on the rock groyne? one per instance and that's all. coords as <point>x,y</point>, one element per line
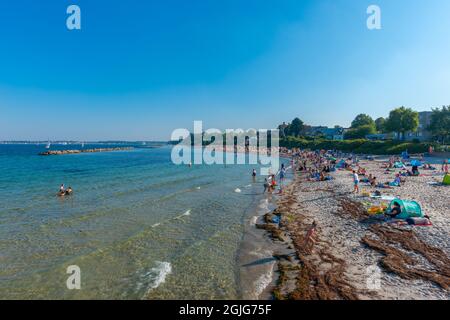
<point>63,152</point>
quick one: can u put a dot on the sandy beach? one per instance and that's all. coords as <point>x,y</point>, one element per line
<point>354,255</point>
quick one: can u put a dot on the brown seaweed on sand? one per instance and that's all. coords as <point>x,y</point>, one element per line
<point>401,262</point>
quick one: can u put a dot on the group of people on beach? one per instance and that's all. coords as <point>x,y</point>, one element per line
<point>316,164</point>
<point>270,183</point>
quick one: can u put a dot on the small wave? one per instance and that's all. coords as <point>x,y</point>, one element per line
<point>187,213</point>
<point>253,220</point>
<point>198,188</point>
<point>264,281</point>
<point>156,225</point>
<point>264,204</point>
<point>157,275</point>
<point>238,190</point>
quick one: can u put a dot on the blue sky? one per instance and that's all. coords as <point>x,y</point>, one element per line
<point>140,69</point>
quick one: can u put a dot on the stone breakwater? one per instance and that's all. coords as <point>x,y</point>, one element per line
<point>63,152</point>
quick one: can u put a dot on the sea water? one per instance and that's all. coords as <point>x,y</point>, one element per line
<point>137,226</point>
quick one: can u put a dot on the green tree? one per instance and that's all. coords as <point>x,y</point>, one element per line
<point>296,127</point>
<point>440,123</point>
<point>360,132</point>
<point>362,120</point>
<point>402,120</point>
<point>284,129</point>
<point>380,124</point>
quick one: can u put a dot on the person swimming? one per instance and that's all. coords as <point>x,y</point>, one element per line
<point>62,190</point>
<point>65,192</point>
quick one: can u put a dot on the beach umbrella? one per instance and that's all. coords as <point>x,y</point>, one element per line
<point>416,163</point>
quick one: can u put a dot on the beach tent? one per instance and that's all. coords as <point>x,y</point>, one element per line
<point>446,180</point>
<point>410,209</point>
<point>416,163</point>
<point>399,165</point>
<point>405,155</point>
<point>340,164</point>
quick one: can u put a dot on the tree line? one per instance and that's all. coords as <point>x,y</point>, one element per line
<point>400,121</point>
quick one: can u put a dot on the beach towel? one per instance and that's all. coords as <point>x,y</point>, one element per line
<point>399,165</point>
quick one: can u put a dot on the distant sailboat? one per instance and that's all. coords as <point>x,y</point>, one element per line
<point>47,146</point>
<point>82,144</point>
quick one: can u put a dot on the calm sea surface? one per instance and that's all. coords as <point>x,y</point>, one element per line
<point>137,225</point>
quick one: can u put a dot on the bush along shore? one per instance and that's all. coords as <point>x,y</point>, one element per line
<point>63,152</point>
<point>360,146</point>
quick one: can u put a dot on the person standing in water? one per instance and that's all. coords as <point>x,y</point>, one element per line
<point>266,185</point>
<point>282,175</point>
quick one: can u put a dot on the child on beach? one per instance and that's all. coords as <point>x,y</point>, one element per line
<point>445,166</point>
<point>355,182</point>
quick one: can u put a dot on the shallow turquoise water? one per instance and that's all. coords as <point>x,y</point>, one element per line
<point>137,226</point>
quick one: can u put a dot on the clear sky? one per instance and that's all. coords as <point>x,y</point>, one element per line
<point>140,69</point>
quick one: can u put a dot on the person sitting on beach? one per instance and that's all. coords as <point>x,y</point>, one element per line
<point>322,176</point>
<point>373,181</point>
<point>396,211</point>
<point>415,171</point>
<point>361,171</point>
<point>397,181</point>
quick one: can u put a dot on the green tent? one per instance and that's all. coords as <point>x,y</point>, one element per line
<point>446,180</point>
<point>410,209</point>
